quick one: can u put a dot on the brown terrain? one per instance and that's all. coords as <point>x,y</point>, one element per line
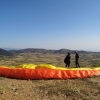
<point>49,89</point>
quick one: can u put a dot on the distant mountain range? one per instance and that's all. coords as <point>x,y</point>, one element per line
<point>60,51</point>
<point>34,50</point>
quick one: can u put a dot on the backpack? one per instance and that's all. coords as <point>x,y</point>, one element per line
<point>65,60</point>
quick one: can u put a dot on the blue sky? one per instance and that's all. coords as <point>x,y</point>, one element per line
<point>50,24</point>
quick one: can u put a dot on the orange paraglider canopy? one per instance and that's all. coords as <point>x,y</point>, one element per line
<point>45,71</point>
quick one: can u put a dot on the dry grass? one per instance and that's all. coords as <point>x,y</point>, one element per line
<point>71,89</point>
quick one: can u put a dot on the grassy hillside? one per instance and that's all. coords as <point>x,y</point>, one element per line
<point>85,60</point>
<point>70,89</point>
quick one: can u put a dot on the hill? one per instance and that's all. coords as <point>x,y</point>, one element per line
<point>5,53</point>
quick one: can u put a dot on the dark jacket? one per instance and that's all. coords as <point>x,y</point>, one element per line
<point>76,56</point>
<point>67,59</point>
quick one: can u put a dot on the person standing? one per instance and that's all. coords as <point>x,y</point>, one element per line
<point>67,60</point>
<point>76,60</point>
